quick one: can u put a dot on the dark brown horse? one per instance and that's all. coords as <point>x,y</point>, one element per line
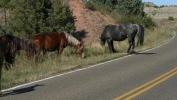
<point>1,63</point>
<point>3,48</point>
<point>15,45</point>
<point>55,41</point>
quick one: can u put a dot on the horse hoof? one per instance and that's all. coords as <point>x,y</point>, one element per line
<point>128,52</point>
<point>132,52</point>
<point>0,94</point>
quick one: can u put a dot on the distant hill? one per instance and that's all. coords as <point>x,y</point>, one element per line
<point>162,12</point>
<point>149,4</point>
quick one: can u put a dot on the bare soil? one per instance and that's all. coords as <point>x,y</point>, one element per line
<point>89,24</point>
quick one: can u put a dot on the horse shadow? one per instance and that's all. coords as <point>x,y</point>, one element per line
<point>143,53</point>
<point>136,53</point>
<point>20,91</point>
<point>81,34</point>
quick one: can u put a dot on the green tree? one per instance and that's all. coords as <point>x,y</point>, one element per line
<point>61,17</point>
<point>3,19</point>
<point>30,17</point>
<point>129,7</point>
<point>105,2</point>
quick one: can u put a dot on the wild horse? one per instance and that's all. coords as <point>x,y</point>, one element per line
<point>14,45</point>
<point>3,46</point>
<point>119,33</point>
<point>8,47</point>
<point>56,41</point>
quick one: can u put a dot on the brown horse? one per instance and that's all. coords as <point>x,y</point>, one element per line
<point>55,41</point>
<point>16,44</point>
<point>3,48</point>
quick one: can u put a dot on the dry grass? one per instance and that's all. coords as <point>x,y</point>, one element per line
<point>159,13</point>
<point>25,70</point>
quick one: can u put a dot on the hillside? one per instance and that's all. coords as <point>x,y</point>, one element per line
<point>89,24</point>
<point>161,13</point>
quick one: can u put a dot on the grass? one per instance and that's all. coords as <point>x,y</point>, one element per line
<point>25,70</point>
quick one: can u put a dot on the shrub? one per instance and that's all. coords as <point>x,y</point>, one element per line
<point>90,5</point>
<point>148,22</point>
<point>170,18</point>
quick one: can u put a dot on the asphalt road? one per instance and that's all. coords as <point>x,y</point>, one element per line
<point>150,75</point>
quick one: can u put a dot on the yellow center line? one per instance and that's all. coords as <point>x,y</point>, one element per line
<point>146,84</point>
<point>151,86</point>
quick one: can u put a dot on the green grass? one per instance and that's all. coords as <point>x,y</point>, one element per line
<point>26,70</point>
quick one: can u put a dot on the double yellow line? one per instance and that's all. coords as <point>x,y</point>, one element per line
<point>139,90</point>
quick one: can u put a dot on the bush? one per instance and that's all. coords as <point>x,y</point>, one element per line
<point>128,19</point>
<point>148,22</point>
<point>170,18</point>
<point>90,5</point>
<point>4,30</point>
<point>103,9</point>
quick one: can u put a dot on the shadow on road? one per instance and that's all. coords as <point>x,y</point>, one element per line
<point>144,53</point>
<point>21,91</point>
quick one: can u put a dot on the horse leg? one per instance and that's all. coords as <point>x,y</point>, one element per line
<point>37,54</point>
<point>0,77</point>
<point>60,50</point>
<point>133,44</point>
<point>130,44</point>
<point>1,65</point>
<point>131,41</point>
<point>110,45</point>
<point>9,61</point>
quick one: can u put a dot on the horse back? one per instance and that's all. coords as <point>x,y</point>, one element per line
<point>55,40</point>
<point>49,42</point>
<point>38,40</point>
<point>113,32</point>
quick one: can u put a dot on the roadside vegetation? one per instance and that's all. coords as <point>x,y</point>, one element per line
<point>25,70</point>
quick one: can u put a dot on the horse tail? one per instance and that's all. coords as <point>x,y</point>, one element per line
<point>140,34</point>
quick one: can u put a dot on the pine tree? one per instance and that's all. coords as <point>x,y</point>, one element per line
<point>105,2</point>
<point>130,7</point>
<point>30,17</point>
<point>61,18</point>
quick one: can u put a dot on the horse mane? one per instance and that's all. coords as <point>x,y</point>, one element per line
<point>71,40</point>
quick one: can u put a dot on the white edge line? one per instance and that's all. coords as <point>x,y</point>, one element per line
<point>9,89</point>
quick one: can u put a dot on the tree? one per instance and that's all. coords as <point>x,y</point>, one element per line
<point>130,7</point>
<point>3,20</point>
<point>61,17</point>
<point>105,2</point>
<point>30,17</point>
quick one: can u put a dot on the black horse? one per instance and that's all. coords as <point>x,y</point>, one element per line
<point>119,33</point>
<point>14,45</point>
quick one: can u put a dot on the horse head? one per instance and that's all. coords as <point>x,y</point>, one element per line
<point>80,49</point>
<point>102,41</point>
<point>5,42</point>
